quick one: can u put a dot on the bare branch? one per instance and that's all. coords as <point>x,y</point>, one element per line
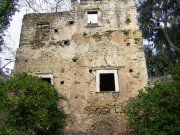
<point>6,64</point>
<point>42,5</point>
<point>168,38</point>
<point>11,57</point>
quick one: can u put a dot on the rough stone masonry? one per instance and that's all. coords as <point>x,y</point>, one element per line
<point>94,55</point>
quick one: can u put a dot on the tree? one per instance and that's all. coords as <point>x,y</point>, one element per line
<point>29,106</point>
<point>160,23</point>
<point>7,9</point>
<point>155,111</point>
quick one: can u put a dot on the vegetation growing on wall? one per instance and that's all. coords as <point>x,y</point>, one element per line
<point>29,106</point>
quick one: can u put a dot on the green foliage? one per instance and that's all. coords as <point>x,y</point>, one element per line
<point>7,9</point>
<point>29,107</point>
<point>176,72</point>
<point>156,110</point>
<point>160,55</point>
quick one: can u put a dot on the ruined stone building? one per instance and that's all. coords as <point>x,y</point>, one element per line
<point>93,54</point>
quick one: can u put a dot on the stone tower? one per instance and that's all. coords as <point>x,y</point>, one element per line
<point>93,54</point>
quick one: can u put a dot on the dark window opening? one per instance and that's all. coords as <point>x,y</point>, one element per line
<point>107,82</point>
<point>48,80</point>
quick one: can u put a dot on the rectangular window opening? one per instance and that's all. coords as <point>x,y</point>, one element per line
<point>48,80</point>
<point>43,26</point>
<point>107,80</point>
<point>42,30</point>
<point>92,17</point>
<point>46,77</point>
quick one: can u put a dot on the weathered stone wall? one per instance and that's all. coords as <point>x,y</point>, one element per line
<point>72,52</point>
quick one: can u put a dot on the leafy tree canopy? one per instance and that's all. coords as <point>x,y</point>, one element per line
<point>7,9</point>
<point>160,23</point>
<point>155,111</point>
<point>29,106</point>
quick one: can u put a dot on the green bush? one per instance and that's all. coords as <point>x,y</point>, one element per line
<point>29,107</point>
<point>156,110</point>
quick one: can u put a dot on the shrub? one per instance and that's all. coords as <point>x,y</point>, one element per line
<point>29,106</point>
<point>155,111</point>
